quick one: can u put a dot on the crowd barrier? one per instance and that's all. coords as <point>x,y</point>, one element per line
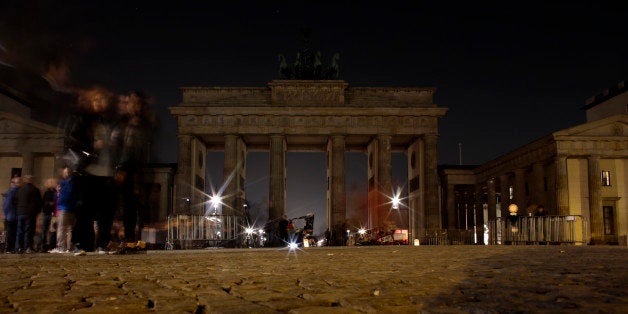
<point>446,237</point>
<point>571,229</point>
<point>196,231</point>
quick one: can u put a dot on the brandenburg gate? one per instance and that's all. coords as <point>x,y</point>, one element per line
<point>311,115</point>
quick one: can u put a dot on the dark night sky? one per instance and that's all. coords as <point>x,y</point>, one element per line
<point>509,72</point>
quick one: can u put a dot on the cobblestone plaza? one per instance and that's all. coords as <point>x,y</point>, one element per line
<point>383,279</point>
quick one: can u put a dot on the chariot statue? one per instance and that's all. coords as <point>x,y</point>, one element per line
<point>308,64</point>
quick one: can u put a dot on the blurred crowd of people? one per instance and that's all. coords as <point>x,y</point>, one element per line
<point>107,140</point>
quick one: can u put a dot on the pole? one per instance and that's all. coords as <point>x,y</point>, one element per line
<point>460,153</point>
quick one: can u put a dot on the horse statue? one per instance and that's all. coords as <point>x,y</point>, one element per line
<point>285,70</point>
<point>333,71</point>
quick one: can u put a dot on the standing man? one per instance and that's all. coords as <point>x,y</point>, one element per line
<point>48,209</point>
<point>132,139</point>
<point>10,216</point>
<point>28,202</point>
<point>89,151</point>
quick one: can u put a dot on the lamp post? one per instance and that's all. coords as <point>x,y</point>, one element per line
<point>512,217</point>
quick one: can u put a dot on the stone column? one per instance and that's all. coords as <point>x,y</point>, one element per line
<point>520,191</point>
<point>277,190</point>
<point>595,199</point>
<point>338,196</point>
<point>538,184</point>
<point>452,218</point>
<point>431,182</point>
<point>183,183</point>
<point>562,188</point>
<point>384,175</point>
<point>28,163</point>
<point>492,201</point>
<point>416,186</point>
<point>229,173</point>
<point>476,211</point>
<point>504,190</point>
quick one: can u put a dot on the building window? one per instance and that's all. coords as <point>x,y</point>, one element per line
<point>511,192</point>
<point>16,172</point>
<point>606,178</point>
<point>545,184</point>
<point>609,220</point>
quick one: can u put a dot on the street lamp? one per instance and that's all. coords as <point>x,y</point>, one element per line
<point>215,200</point>
<point>512,217</point>
<point>395,202</point>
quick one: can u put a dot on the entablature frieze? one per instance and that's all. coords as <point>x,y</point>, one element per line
<point>542,151</point>
<point>307,124</point>
<point>604,147</point>
<point>304,93</point>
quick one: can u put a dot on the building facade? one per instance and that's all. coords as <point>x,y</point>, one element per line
<point>580,173</point>
<point>26,146</point>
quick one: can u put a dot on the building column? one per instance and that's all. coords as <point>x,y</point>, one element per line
<point>452,218</point>
<point>538,184</point>
<point>504,190</point>
<point>492,200</point>
<point>477,211</point>
<point>520,191</point>
<point>562,188</point>
<point>416,186</point>
<point>384,174</point>
<point>431,182</point>
<point>228,173</point>
<point>183,178</point>
<point>28,163</point>
<point>595,199</point>
<point>277,189</point>
<point>337,211</point>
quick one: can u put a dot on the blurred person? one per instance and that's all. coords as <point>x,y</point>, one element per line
<point>283,230</point>
<point>67,200</point>
<point>10,215</point>
<point>89,153</point>
<point>132,138</point>
<point>48,208</point>
<point>28,202</point>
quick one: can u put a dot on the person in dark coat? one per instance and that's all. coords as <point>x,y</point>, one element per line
<point>89,153</point>
<point>131,137</point>
<point>283,230</point>
<point>10,217</point>
<point>28,203</point>
<point>48,209</point>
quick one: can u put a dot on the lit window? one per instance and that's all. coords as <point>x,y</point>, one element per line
<point>606,178</point>
<point>511,192</point>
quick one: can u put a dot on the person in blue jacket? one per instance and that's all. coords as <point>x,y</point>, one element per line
<point>10,219</point>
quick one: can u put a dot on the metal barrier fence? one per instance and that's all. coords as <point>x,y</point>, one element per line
<point>571,229</point>
<point>194,231</point>
<point>447,237</point>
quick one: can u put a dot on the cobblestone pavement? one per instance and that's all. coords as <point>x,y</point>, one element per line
<point>389,279</point>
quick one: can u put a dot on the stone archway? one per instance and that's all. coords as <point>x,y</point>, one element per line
<point>316,115</point>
